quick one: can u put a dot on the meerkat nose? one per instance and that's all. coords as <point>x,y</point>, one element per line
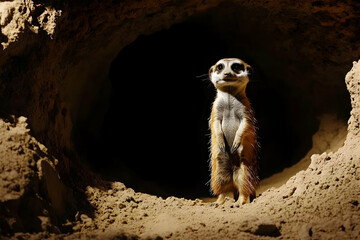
<point>228,74</point>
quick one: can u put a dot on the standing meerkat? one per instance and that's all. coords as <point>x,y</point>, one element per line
<point>234,143</point>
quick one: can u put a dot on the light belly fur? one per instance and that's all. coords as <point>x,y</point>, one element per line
<point>229,126</point>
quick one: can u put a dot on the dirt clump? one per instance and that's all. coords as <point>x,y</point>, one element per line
<point>32,196</point>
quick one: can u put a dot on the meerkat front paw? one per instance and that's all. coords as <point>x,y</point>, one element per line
<point>236,146</point>
<point>221,145</point>
<point>222,148</point>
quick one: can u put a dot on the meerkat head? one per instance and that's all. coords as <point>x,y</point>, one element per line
<point>230,75</point>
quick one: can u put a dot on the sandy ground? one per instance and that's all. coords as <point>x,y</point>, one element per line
<point>318,198</point>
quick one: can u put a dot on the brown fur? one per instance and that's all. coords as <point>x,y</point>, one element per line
<point>249,158</point>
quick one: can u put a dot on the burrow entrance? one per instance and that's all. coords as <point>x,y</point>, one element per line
<point>154,136</point>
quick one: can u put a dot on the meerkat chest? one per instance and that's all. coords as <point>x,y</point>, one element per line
<point>232,113</point>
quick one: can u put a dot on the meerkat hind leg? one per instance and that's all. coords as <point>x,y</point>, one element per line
<point>242,200</point>
<point>239,183</point>
<point>222,197</point>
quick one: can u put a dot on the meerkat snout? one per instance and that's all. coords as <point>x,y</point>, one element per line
<point>229,74</point>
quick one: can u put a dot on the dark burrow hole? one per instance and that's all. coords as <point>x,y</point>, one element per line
<point>155,135</point>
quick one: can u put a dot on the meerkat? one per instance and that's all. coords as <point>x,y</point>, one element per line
<point>234,142</point>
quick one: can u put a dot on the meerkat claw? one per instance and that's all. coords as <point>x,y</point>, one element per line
<point>235,205</point>
<point>222,148</point>
<point>234,148</point>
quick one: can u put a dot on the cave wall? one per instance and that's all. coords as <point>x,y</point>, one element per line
<point>60,70</point>
<point>56,56</point>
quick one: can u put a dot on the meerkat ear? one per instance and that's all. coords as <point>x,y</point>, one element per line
<point>211,70</point>
<point>250,72</point>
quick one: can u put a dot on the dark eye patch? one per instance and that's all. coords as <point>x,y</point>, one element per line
<point>237,67</point>
<point>220,67</point>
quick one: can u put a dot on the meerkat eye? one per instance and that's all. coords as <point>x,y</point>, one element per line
<point>237,67</point>
<point>220,67</point>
